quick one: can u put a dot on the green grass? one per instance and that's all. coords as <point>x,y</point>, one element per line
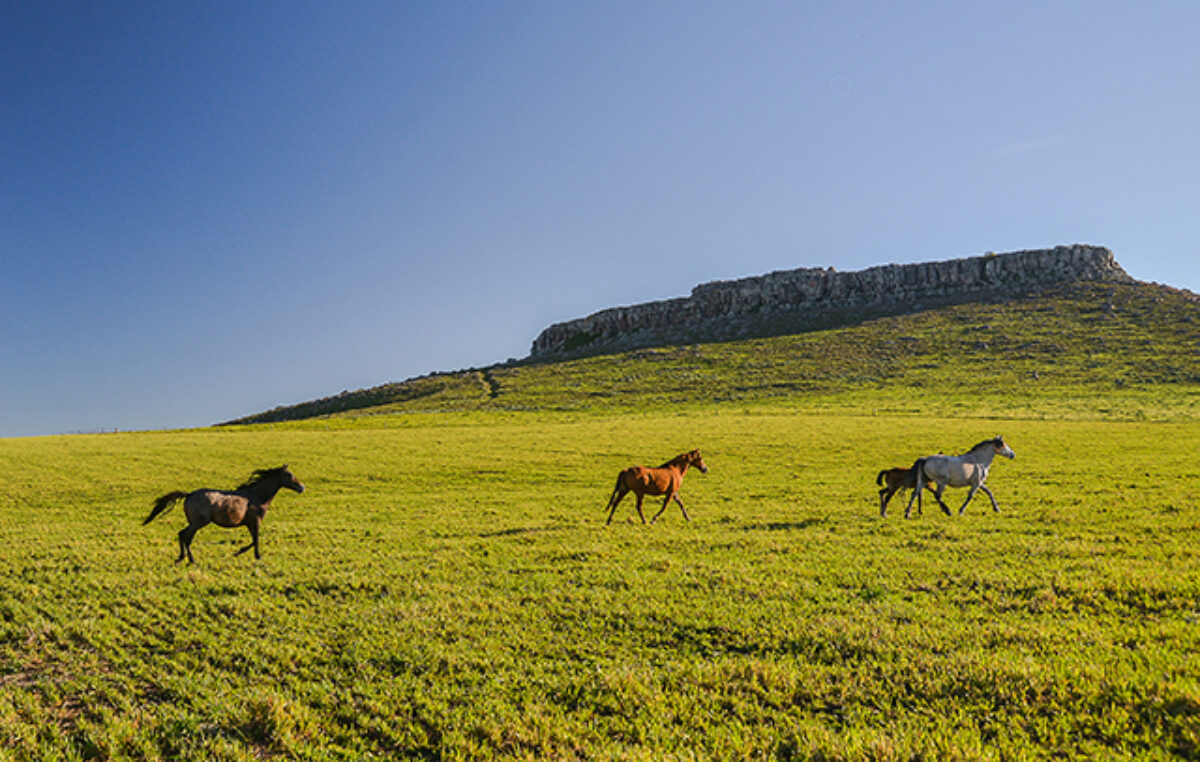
<point>446,587</point>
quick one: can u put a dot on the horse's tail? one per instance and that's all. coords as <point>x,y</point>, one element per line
<point>616,489</point>
<point>162,504</point>
<point>918,469</point>
<point>879,479</point>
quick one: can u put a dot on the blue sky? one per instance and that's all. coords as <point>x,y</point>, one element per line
<point>210,209</point>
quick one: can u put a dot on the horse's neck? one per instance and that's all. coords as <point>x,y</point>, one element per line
<point>983,456</point>
<point>262,494</point>
<point>679,463</point>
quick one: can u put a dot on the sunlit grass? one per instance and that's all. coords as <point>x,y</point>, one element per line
<point>446,588</point>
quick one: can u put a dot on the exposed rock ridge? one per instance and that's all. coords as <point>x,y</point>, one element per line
<point>810,298</point>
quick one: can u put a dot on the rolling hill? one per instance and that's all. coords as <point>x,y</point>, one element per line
<point>1079,341</point>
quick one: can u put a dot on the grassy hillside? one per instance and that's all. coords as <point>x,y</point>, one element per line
<point>1068,347</point>
<point>446,587</point>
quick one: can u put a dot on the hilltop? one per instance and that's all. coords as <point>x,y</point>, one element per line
<point>806,299</point>
<point>1076,341</point>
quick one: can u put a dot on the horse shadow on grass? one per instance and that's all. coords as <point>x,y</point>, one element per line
<point>785,526</point>
<point>515,531</point>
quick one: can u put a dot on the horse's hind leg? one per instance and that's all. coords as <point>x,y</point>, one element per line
<point>641,515</point>
<point>885,495</point>
<point>185,543</point>
<point>619,492</point>
<point>938,494</point>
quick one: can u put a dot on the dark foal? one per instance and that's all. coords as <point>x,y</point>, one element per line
<point>896,479</point>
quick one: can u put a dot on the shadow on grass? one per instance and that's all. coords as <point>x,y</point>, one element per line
<point>783,526</point>
<point>518,531</point>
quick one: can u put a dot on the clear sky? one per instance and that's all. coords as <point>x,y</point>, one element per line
<point>208,209</point>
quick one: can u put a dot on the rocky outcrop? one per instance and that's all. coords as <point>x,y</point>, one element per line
<point>806,299</point>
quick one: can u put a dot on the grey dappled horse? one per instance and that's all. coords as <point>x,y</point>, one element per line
<point>245,506</point>
<point>967,470</point>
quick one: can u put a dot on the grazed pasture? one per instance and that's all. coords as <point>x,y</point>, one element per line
<point>446,588</point>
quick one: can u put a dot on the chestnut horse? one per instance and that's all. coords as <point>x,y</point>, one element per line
<point>664,480</point>
<point>898,479</point>
<point>245,506</point>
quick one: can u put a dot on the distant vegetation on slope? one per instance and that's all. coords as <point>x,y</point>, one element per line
<point>1084,339</point>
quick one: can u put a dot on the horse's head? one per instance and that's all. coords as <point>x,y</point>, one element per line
<point>287,479</point>
<point>1002,448</point>
<point>694,459</point>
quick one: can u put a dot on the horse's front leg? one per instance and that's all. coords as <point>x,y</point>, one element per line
<point>253,527</point>
<point>675,497</point>
<point>988,492</point>
<point>666,502</point>
<point>971,494</point>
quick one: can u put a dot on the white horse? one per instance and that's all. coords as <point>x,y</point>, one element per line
<point>968,470</point>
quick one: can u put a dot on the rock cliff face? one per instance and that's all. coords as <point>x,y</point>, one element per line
<point>806,299</point>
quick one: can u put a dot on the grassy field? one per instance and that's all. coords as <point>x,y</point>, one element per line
<point>446,589</point>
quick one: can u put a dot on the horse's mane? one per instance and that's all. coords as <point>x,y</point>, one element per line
<point>683,457</point>
<point>984,443</point>
<point>262,475</point>
<point>678,458</point>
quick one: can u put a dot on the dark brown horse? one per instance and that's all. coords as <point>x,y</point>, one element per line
<point>245,506</point>
<point>897,479</point>
<point>664,480</point>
